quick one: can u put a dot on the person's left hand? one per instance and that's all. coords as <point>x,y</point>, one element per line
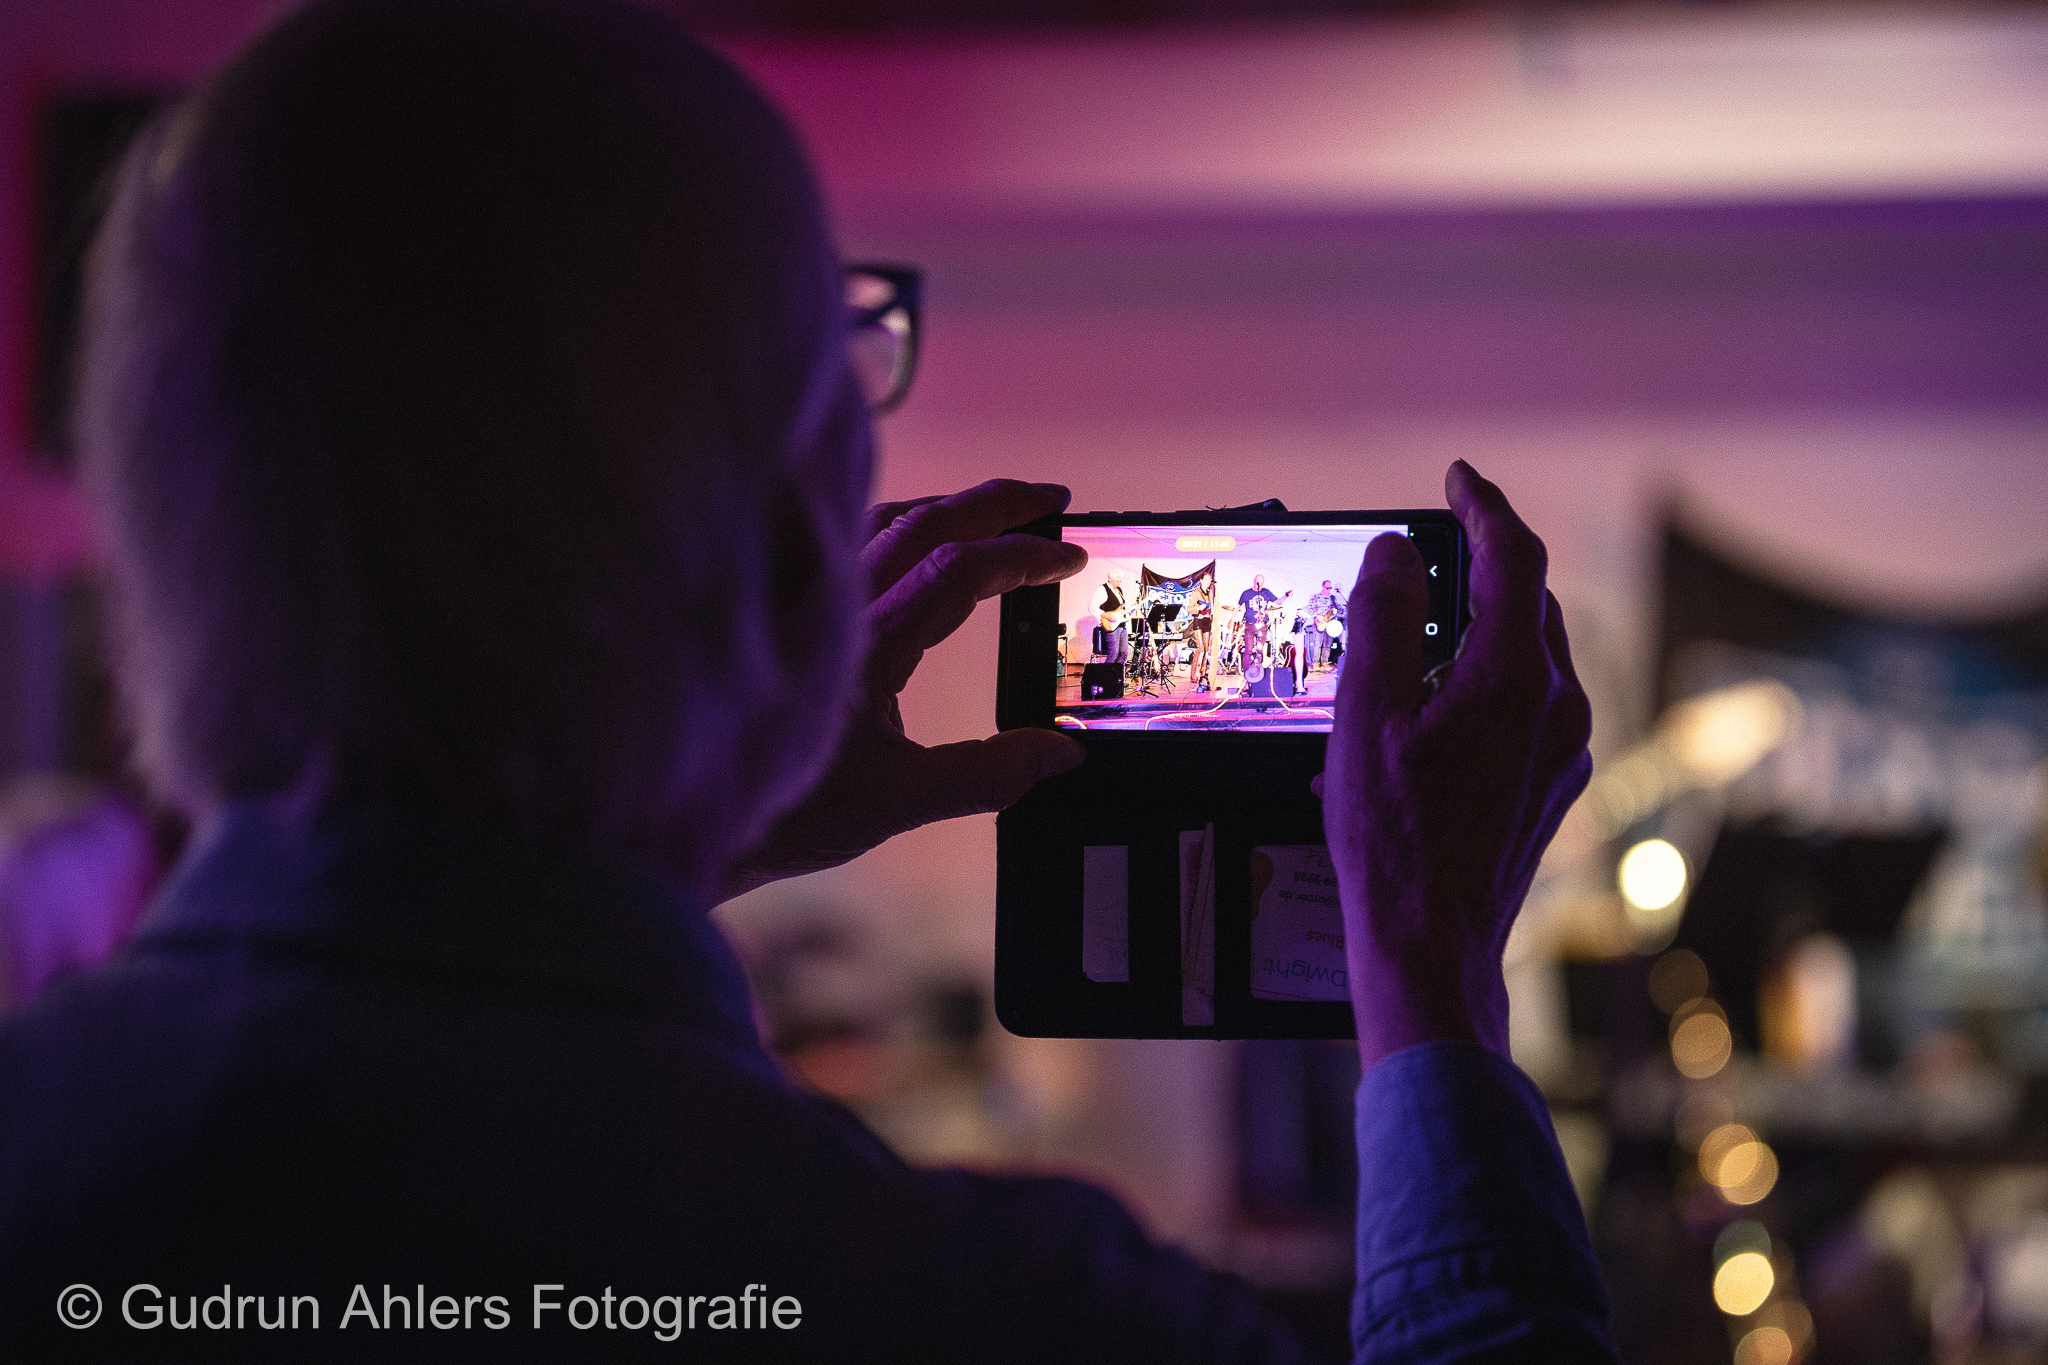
<point>929,561</point>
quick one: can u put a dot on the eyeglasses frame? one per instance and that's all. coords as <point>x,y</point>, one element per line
<point>907,284</point>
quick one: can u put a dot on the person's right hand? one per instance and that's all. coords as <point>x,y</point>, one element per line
<point>1441,793</point>
<point>930,562</point>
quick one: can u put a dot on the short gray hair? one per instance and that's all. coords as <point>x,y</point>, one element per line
<point>465,396</point>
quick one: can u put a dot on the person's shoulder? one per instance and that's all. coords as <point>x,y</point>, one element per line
<point>1068,1268</point>
<point>81,1030</point>
<point>89,1075</point>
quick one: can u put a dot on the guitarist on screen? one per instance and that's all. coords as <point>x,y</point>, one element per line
<point>1326,616</point>
<point>1114,617</point>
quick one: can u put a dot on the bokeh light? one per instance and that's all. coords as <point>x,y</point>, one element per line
<point>1717,1144</point>
<point>1738,1163</point>
<point>1700,1044</point>
<point>1676,979</point>
<point>1748,1173</point>
<point>1742,1283</point>
<point>1789,1316</point>
<point>1722,735</point>
<point>1765,1346</point>
<point>1652,875</point>
<point>1808,1005</point>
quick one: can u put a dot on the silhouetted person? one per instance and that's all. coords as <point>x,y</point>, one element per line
<point>467,400</point>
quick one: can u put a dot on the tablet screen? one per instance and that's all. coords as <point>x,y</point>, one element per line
<point>1208,628</point>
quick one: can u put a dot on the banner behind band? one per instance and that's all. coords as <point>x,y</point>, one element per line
<point>1173,590</point>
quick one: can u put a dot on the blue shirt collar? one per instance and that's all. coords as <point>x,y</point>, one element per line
<point>425,893</point>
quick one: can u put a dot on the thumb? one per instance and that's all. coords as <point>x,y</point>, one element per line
<point>981,775</point>
<point>1389,607</point>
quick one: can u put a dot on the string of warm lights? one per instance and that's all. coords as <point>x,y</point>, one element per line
<point>1752,1282</point>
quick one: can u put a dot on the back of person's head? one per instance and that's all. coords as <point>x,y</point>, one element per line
<point>465,397</point>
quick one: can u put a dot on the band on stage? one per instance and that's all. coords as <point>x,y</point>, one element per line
<point>1172,624</point>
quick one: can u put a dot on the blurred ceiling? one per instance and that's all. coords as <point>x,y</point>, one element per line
<point>821,17</point>
<point>1657,105</point>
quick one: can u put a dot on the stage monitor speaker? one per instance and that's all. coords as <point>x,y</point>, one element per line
<point>1277,682</point>
<point>1102,682</point>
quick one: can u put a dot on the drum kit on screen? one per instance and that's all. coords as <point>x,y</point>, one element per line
<point>1157,646</point>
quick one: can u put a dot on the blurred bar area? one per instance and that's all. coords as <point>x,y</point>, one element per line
<point>1745,305</point>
